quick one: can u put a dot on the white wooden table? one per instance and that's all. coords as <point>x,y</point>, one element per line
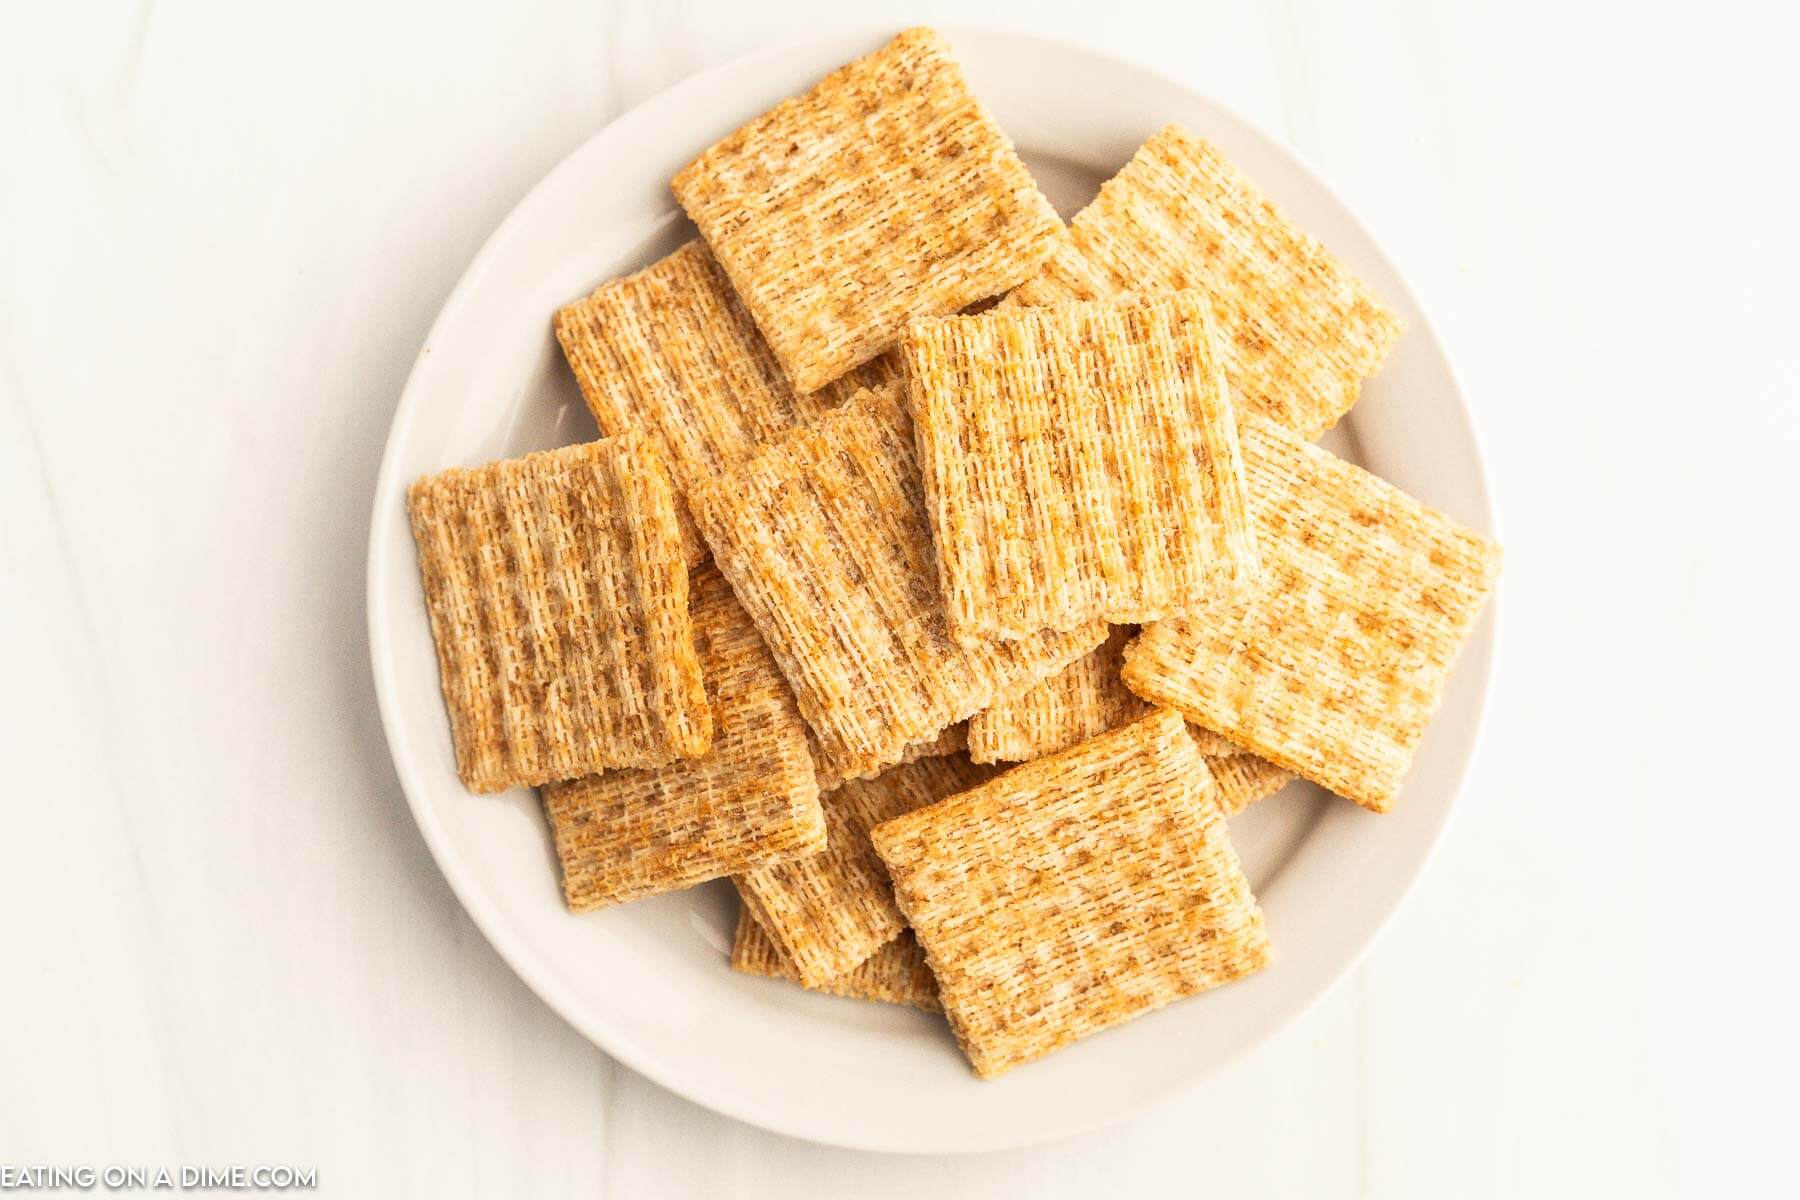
<point>224,229</point>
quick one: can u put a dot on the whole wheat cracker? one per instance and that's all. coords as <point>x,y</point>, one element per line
<point>896,973</point>
<point>825,539</point>
<point>1244,779</point>
<point>1075,892</point>
<point>671,352</point>
<point>833,772</point>
<point>1335,668</point>
<point>1298,331</point>
<point>558,600</point>
<point>831,911</point>
<point>749,803</point>
<point>1080,461</point>
<point>1084,699</point>
<point>1212,745</point>
<point>885,192</point>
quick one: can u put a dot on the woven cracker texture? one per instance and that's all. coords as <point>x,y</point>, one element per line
<point>558,599</point>
<point>885,192</point>
<point>896,973</point>
<point>1244,779</point>
<point>1080,462</point>
<point>1085,699</point>
<point>1337,666</point>
<point>671,352</point>
<point>1212,745</point>
<point>825,539</point>
<point>834,773</point>
<point>1298,331</point>
<point>831,911</point>
<point>1075,892</point>
<point>749,803</point>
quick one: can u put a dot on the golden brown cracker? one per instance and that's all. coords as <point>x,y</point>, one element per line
<point>833,773</point>
<point>831,911</point>
<point>1335,668</point>
<point>558,599</point>
<point>1297,330</point>
<point>671,352</point>
<point>1244,779</point>
<point>1212,745</point>
<point>1075,892</point>
<point>825,539</point>
<point>885,192</point>
<point>1084,699</point>
<point>1080,462</point>
<point>896,973</point>
<point>749,803</point>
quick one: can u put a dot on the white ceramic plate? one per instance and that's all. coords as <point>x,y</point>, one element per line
<point>648,982</point>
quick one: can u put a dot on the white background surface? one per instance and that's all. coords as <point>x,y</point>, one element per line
<point>224,230</point>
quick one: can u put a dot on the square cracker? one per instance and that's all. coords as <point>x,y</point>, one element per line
<point>750,803</point>
<point>896,973</point>
<point>671,352</point>
<point>824,537</point>
<point>833,910</point>
<point>1334,669</point>
<point>1080,462</point>
<point>1084,700</point>
<point>885,192</point>
<point>1244,779</point>
<point>1075,892</point>
<point>1298,332</point>
<point>558,599</point>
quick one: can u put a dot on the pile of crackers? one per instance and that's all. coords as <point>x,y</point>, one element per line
<point>947,576</point>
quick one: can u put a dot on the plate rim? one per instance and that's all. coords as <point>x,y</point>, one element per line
<point>1478,657</point>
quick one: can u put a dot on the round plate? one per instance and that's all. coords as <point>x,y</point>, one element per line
<point>648,981</point>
